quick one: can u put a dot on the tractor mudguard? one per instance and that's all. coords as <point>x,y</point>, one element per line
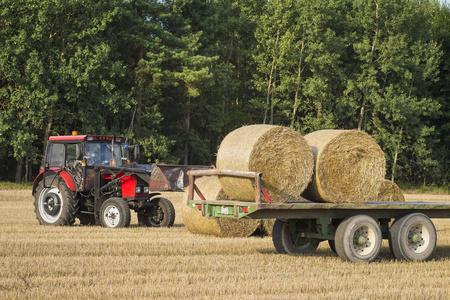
<point>50,173</point>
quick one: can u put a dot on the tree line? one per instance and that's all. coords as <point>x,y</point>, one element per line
<point>177,76</point>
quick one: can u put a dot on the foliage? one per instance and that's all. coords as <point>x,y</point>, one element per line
<point>177,76</point>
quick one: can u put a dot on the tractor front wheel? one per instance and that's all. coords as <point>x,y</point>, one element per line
<point>55,205</point>
<point>162,214</point>
<point>115,213</point>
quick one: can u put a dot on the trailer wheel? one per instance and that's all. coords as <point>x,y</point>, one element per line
<point>162,215</point>
<point>412,237</point>
<point>286,243</point>
<point>115,213</point>
<point>55,205</point>
<point>358,239</point>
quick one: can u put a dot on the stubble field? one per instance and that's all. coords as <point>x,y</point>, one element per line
<point>80,262</point>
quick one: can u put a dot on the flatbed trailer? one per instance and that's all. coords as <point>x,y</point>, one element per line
<point>353,231</point>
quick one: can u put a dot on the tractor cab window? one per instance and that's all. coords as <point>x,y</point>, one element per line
<point>100,153</point>
<point>56,155</point>
<point>73,153</point>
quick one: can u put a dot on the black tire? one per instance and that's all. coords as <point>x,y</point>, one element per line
<point>285,243</point>
<point>56,205</point>
<point>115,213</point>
<point>86,219</point>
<point>332,245</point>
<point>413,237</point>
<point>358,239</point>
<point>162,215</point>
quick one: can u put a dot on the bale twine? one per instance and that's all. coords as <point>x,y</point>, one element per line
<point>349,167</point>
<point>389,191</point>
<point>280,153</point>
<point>223,227</point>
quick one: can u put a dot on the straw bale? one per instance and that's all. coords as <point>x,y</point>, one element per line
<point>349,167</point>
<point>280,153</point>
<point>389,191</point>
<point>196,223</point>
<point>223,227</point>
<point>267,226</point>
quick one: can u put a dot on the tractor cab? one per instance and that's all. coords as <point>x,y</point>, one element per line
<point>79,154</point>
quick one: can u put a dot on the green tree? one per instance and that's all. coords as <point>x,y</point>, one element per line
<point>56,72</point>
<point>396,64</point>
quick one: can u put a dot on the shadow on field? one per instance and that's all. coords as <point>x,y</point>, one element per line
<point>442,252</point>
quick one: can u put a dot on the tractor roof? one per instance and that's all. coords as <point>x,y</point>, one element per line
<point>86,137</point>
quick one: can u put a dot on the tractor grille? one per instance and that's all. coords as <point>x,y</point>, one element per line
<point>140,182</point>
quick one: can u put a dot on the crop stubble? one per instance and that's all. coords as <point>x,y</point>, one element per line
<point>93,262</point>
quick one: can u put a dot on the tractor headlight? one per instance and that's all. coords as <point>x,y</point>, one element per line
<point>138,190</point>
<point>145,189</point>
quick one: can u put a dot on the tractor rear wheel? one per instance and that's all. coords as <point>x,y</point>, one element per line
<point>115,213</point>
<point>161,215</point>
<point>55,205</point>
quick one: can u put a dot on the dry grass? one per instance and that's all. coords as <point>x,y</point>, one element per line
<point>78,262</point>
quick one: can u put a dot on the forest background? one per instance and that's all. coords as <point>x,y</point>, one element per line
<point>177,76</point>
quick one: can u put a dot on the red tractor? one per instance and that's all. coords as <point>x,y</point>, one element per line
<point>90,177</point>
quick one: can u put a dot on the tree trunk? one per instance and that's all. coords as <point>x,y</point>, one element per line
<point>139,99</point>
<point>394,164</point>
<point>299,77</point>
<point>366,91</point>
<point>187,122</point>
<point>46,136</point>
<point>19,168</point>
<point>27,171</point>
<point>269,85</point>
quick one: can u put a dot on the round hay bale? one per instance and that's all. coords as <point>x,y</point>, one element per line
<point>223,227</point>
<point>280,153</point>
<point>267,226</point>
<point>196,223</point>
<point>389,191</point>
<point>349,167</point>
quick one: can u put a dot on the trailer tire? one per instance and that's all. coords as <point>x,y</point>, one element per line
<point>358,239</point>
<point>115,213</point>
<point>285,244</point>
<point>412,237</point>
<point>163,215</point>
<point>55,205</point>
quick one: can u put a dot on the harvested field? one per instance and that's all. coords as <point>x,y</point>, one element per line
<point>40,262</point>
<point>349,167</point>
<point>280,153</point>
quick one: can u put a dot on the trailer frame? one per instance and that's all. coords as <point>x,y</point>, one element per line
<point>311,222</point>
